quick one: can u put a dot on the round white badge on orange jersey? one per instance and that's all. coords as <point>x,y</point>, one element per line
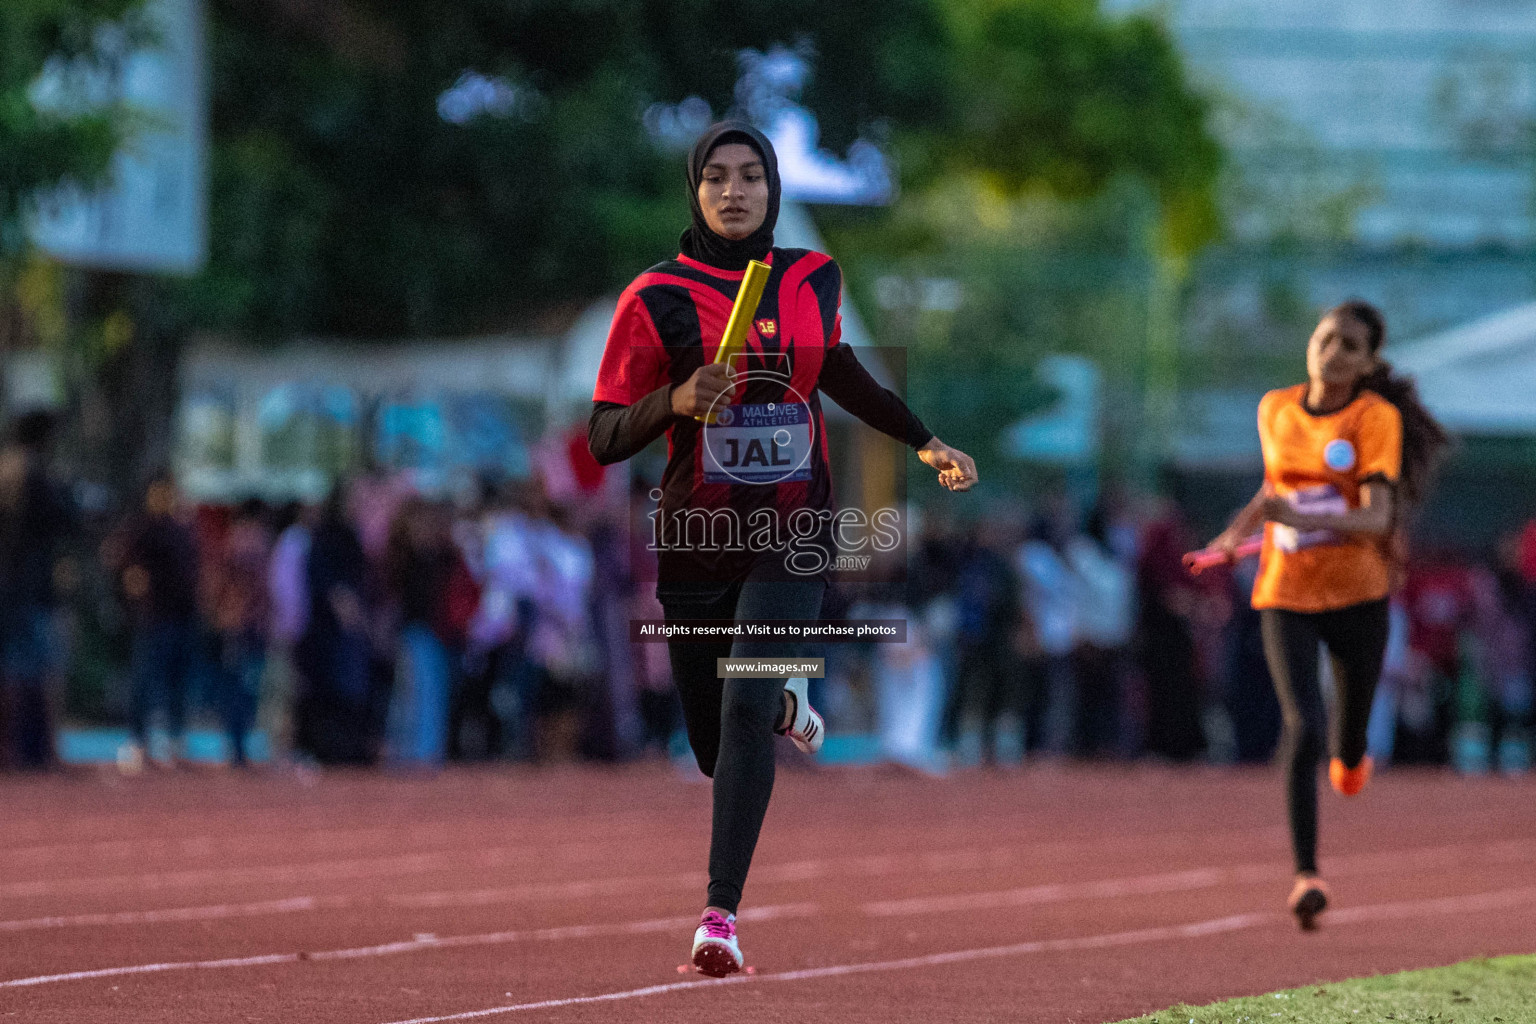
<point>1339,455</point>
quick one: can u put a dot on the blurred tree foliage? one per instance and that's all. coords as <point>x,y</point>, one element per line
<point>345,202</point>
<point>1062,198</point>
<point>1023,277</point>
<point>1053,94</point>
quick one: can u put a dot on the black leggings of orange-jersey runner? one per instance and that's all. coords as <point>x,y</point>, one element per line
<point>1356,641</point>
<point>730,722</point>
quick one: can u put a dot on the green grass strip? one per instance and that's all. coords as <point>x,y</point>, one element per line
<point>1500,991</point>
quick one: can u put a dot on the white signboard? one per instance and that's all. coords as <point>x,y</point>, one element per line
<point>1068,432</point>
<point>152,215</point>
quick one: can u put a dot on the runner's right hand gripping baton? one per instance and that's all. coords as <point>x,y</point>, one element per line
<point>742,311</point>
<point>1199,561</point>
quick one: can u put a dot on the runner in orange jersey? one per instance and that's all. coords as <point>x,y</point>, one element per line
<point>1344,455</point>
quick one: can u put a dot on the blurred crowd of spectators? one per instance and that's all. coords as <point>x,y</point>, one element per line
<point>1084,636</point>
<point>388,626</point>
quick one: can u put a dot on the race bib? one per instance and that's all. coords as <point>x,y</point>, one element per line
<point>758,444</point>
<point>1320,500</point>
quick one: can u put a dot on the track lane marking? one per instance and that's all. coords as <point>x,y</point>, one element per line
<point>216,912</point>
<point>328,840</point>
<point>1496,900</point>
<point>315,834</point>
<point>194,846</point>
<point>105,830</point>
<point>800,871</point>
<point>330,870</point>
<point>792,871</point>
<point>1058,892</point>
<point>415,945</point>
<point>1053,892</point>
<point>1195,878</point>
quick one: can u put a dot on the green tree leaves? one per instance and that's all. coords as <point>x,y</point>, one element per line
<point>1050,94</point>
<point>345,202</point>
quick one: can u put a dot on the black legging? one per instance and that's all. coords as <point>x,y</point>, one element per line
<point>1356,639</point>
<point>730,722</point>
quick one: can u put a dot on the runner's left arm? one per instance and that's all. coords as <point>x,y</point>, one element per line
<point>1374,516</point>
<point>850,385</point>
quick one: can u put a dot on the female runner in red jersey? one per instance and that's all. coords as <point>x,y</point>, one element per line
<point>1344,455</point>
<point>745,518</point>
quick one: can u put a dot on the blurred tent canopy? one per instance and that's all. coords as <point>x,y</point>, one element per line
<point>1478,378</point>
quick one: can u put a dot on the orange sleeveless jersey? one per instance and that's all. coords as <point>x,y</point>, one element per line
<point>1321,464</point>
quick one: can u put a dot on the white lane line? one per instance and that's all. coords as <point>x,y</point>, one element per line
<point>266,874</point>
<point>416,945</point>
<point>559,933</point>
<point>794,871</point>
<point>547,890</point>
<point>1196,878</point>
<point>220,911</point>
<point>1056,892</point>
<point>258,823</point>
<point>1454,855</point>
<point>529,891</point>
<point>1498,900</point>
<point>971,858</point>
<point>872,866</point>
<point>798,871</point>
<point>114,972</point>
<point>329,840</point>
<point>357,868</point>
<point>791,871</point>
<point>607,997</point>
<point>877,865</point>
<point>1106,888</point>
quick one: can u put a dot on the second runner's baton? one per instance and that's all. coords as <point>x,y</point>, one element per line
<point>742,311</point>
<point>1199,561</point>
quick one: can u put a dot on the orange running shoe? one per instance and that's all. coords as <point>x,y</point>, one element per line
<point>1349,781</point>
<point>1309,897</point>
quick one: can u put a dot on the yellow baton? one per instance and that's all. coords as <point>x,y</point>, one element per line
<point>742,311</point>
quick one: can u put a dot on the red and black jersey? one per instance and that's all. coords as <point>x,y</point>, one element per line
<point>768,449</point>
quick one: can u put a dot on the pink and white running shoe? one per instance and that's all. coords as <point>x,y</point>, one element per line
<point>807,729</point>
<point>715,950</point>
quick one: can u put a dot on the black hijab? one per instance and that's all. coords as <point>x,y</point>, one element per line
<point>701,243</point>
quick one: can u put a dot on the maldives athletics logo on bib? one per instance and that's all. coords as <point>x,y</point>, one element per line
<point>1339,455</point>
<point>760,442</point>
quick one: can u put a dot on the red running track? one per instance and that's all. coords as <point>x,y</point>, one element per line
<point>1055,894</point>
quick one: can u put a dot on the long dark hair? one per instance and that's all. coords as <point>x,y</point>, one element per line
<point>1424,439</point>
